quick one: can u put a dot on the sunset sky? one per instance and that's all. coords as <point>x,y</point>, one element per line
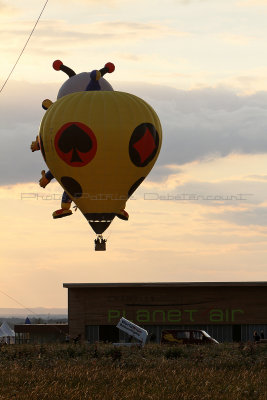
<point>201,215</point>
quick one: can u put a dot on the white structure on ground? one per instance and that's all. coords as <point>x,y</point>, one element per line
<point>132,330</point>
<point>7,335</point>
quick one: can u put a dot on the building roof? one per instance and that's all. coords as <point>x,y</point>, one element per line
<point>162,284</point>
<point>42,328</point>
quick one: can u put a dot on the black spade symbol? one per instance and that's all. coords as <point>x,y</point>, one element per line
<point>75,139</point>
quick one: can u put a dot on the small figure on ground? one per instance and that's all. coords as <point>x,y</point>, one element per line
<point>256,336</point>
<point>77,339</point>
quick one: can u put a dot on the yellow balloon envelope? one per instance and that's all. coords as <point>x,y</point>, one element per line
<point>100,146</point>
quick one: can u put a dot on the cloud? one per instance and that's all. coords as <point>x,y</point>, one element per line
<point>7,10</point>
<point>21,114</point>
<point>197,125</point>
<point>161,237</point>
<point>257,177</point>
<point>235,39</point>
<point>127,56</point>
<point>252,3</point>
<point>187,2</point>
<point>61,33</point>
<point>251,216</point>
<point>3,6</point>
<point>103,3</point>
<point>207,122</point>
<point>228,194</point>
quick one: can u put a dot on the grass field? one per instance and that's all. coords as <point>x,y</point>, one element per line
<point>101,372</point>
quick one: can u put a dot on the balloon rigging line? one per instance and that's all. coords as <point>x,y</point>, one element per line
<point>33,29</point>
<point>16,301</point>
<point>57,328</point>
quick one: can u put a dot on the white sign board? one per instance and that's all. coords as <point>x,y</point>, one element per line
<point>133,330</point>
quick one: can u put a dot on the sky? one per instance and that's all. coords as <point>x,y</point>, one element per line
<point>201,214</point>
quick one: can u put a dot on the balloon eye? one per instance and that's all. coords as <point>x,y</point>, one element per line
<point>135,186</point>
<point>72,186</point>
<point>41,144</point>
<point>75,143</point>
<point>143,144</point>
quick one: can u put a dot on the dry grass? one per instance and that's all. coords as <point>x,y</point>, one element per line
<point>89,372</point>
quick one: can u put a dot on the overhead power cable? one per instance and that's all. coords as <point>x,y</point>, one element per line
<point>16,301</point>
<point>57,328</point>
<point>33,29</point>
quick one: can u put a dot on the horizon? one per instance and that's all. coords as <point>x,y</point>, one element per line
<point>34,312</point>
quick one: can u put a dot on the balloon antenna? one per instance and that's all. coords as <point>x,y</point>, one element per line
<point>109,68</point>
<point>58,65</point>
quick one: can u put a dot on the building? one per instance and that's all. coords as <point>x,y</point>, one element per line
<point>41,333</point>
<point>228,311</point>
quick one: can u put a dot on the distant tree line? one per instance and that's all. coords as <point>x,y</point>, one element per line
<point>44,319</point>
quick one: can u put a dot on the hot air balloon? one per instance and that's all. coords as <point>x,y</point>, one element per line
<point>99,144</point>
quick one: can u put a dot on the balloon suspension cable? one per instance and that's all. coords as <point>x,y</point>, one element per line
<point>100,237</point>
<point>22,51</point>
<point>109,235</point>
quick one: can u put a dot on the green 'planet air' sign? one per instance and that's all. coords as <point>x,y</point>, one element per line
<point>144,316</point>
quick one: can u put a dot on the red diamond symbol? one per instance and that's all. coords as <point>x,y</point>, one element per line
<point>145,146</point>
